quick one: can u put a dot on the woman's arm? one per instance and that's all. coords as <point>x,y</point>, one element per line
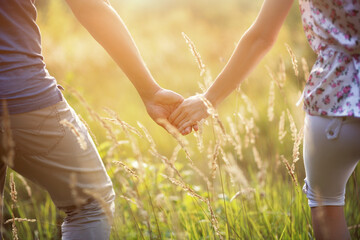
<point>106,26</point>
<point>252,47</point>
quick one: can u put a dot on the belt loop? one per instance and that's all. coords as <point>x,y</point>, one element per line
<point>333,128</point>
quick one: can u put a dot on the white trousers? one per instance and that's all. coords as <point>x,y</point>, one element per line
<point>331,153</point>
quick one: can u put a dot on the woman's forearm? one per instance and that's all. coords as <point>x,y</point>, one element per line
<point>248,53</point>
<point>254,44</point>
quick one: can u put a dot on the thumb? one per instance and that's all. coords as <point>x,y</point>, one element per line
<point>172,97</point>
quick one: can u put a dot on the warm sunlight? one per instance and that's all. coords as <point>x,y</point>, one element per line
<point>158,119</point>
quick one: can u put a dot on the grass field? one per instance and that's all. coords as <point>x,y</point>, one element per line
<point>240,177</point>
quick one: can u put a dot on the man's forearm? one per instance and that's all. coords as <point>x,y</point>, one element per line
<point>106,26</point>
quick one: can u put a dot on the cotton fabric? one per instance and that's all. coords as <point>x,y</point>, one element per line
<point>333,32</point>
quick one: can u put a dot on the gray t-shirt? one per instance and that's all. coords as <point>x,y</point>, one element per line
<point>25,83</point>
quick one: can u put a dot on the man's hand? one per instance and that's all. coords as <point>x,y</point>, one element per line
<point>161,104</point>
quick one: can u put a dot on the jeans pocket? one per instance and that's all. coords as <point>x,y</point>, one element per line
<point>38,132</point>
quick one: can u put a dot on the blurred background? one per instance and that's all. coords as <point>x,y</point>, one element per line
<point>73,57</point>
<point>268,201</point>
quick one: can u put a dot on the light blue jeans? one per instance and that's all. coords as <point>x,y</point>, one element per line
<point>49,154</point>
<point>331,153</point>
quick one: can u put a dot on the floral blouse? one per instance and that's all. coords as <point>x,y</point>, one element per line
<point>332,28</point>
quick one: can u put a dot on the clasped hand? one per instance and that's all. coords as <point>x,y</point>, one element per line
<point>187,115</point>
<point>171,107</point>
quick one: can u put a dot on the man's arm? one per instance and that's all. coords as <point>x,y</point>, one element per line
<point>106,26</point>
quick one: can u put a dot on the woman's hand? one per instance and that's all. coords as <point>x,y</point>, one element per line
<point>188,114</point>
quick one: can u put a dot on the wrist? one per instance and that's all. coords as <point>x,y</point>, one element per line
<point>211,97</point>
<point>147,92</point>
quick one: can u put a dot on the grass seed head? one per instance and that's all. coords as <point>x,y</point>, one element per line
<point>282,131</point>
<point>271,101</point>
<point>195,53</point>
<point>305,68</point>
<point>293,59</point>
<point>8,144</point>
<point>79,136</point>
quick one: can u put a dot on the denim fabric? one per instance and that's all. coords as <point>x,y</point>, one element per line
<point>49,154</point>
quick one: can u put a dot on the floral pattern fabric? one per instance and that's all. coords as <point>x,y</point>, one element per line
<point>332,28</point>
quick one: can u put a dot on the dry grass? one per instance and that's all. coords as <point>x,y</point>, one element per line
<point>195,53</point>
<point>79,136</point>
<point>8,144</point>
<point>243,194</point>
<point>271,101</point>
<point>293,59</point>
